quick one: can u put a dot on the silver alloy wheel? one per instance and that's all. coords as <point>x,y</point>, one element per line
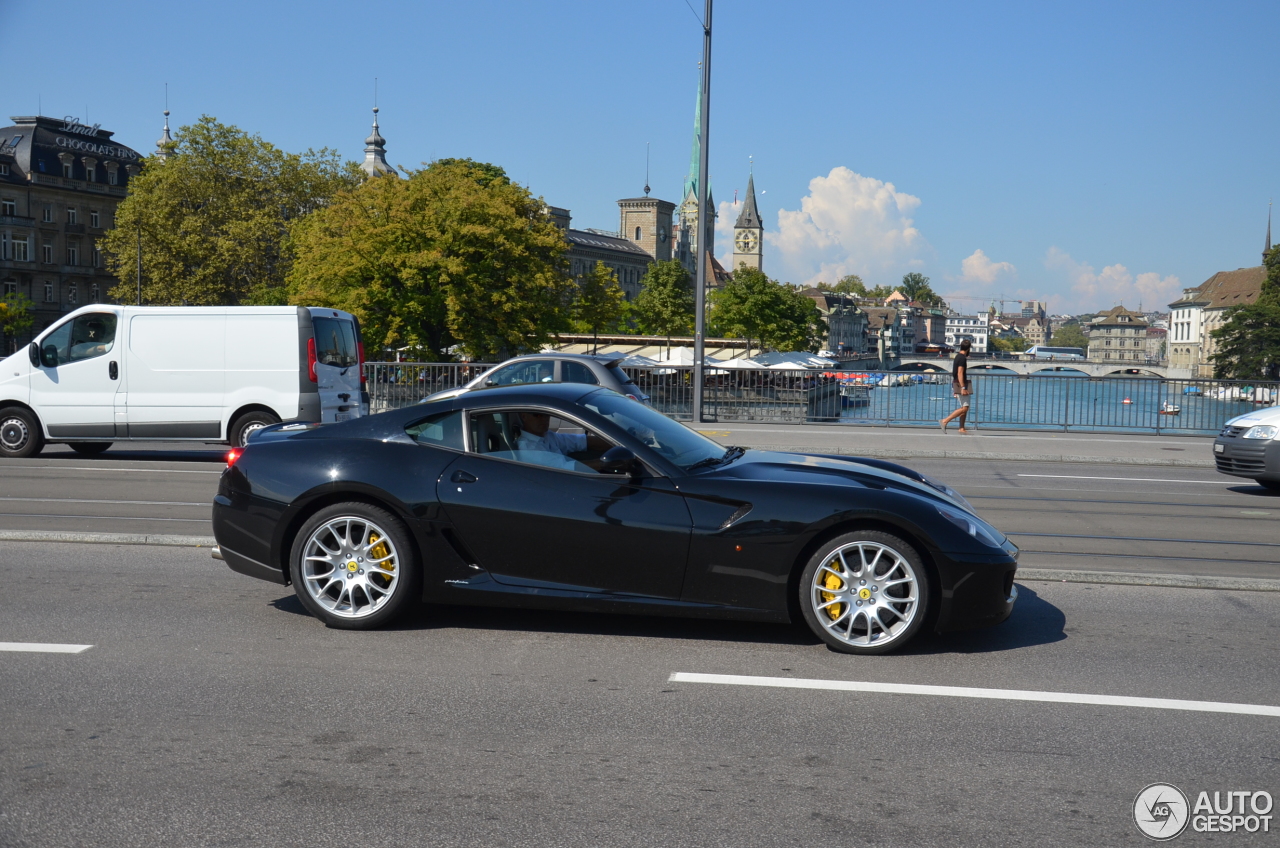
<point>350,567</point>
<point>14,433</point>
<point>865,593</point>
<point>249,429</point>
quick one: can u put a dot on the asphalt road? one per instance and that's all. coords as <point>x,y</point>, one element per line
<point>1095,517</point>
<point>211,711</point>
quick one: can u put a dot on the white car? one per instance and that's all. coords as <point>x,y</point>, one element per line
<point>1249,446</point>
<point>107,374</point>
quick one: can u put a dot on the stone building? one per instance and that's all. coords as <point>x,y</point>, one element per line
<point>1119,334</point>
<point>624,256</point>
<point>975,328</point>
<point>60,182</point>
<point>846,322</point>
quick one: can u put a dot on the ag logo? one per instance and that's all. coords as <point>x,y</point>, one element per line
<point>1161,811</point>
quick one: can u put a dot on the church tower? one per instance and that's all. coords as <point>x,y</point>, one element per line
<point>375,154</point>
<point>690,242</point>
<point>748,232</point>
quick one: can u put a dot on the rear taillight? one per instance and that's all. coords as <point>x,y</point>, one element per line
<point>233,455</point>
<point>360,351</point>
<point>311,359</point>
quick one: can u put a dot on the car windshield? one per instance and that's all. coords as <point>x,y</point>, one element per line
<point>684,447</point>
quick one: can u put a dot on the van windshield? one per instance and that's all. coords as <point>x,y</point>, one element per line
<point>335,342</point>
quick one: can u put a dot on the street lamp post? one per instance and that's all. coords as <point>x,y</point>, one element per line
<point>704,249</point>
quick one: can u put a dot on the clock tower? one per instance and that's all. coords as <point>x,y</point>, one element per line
<point>748,232</point>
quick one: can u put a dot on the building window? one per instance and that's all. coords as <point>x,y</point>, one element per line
<point>48,213</point>
<point>48,251</point>
<point>112,179</point>
<point>10,287</point>
<point>21,249</point>
<point>73,253</point>
<point>97,256</point>
<point>71,294</point>
<point>48,293</point>
<point>94,219</point>
<point>637,234</point>
<point>4,169</point>
<point>71,218</point>
<point>8,206</point>
<point>89,173</point>
<point>66,170</point>
<point>93,293</point>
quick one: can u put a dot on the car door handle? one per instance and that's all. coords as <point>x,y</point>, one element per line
<point>113,370</point>
<point>461,476</point>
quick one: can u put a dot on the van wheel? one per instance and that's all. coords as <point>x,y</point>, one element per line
<point>20,433</point>
<point>248,424</point>
<point>89,448</point>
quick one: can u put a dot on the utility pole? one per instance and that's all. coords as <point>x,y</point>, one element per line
<point>704,249</point>
<point>139,264</point>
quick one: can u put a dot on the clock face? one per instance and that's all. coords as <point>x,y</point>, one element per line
<point>745,241</point>
<point>662,233</point>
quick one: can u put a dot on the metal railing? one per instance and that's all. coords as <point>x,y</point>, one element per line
<point>999,401</point>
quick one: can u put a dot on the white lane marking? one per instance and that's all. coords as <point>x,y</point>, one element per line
<point>971,692</point>
<point>43,647</point>
<point>83,500</point>
<point>99,517</point>
<point>1134,479</point>
<point>99,468</point>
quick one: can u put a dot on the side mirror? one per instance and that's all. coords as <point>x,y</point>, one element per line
<point>50,356</point>
<point>491,382</point>
<point>617,459</point>
<point>33,350</point>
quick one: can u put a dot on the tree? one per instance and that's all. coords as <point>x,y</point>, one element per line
<point>1249,340</point>
<point>16,316</point>
<point>600,302</point>
<point>752,306</point>
<point>849,284</point>
<point>1011,345</point>
<point>214,217</point>
<point>665,304</point>
<point>450,255</point>
<point>1069,335</point>
<point>916,288</point>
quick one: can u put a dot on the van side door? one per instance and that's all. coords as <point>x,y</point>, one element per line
<point>74,385</point>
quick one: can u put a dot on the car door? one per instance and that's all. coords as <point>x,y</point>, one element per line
<point>74,386</point>
<point>553,521</point>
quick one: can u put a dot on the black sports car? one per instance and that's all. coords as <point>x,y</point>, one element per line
<point>570,496</point>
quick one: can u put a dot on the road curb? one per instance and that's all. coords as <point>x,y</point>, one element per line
<point>896,453</point>
<point>107,538</point>
<point>1170,581</point>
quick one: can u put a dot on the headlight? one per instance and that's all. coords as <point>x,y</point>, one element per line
<point>975,527</point>
<point>1262,431</point>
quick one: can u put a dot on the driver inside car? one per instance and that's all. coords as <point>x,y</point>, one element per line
<point>550,448</point>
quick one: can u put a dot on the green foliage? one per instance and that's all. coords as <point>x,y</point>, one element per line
<point>665,304</point>
<point>752,306</point>
<point>16,314</point>
<point>600,303</point>
<point>916,288</point>
<point>450,255</point>
<point>1012,345</point>
<point>1069,335</point>
<point>849,284</point>
<point>214,217</point>
<point>1249,340</point>
<point>483,172</point>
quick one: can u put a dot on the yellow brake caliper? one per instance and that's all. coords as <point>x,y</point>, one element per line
<point>833,582</point>
<point>378,551</point>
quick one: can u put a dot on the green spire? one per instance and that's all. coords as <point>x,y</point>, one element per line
<point>691,181</point>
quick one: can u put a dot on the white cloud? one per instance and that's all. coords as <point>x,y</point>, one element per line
<point>846,224</point>
<point>1115,284</point>
<point>978,268</point>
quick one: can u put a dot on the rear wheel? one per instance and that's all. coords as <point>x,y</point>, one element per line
<point>865,592</point>
<point>20,434</point>
<point>353,566</point>
<point>248,424</point>
<point>89,448</point>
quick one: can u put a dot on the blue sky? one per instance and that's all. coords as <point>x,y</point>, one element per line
<point>1087,153</point>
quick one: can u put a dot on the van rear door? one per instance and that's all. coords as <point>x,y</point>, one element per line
<point>337,365</point>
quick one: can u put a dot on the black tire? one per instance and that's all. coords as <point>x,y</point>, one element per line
<point>89,448</point>
<point>246,425</point>
<point>905,597</point>
<point>374,599</point>
<point>20,433</point>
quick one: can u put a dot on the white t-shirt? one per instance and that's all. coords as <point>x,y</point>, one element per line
<point>551,449</point>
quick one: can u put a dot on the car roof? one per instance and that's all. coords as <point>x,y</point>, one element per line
<point>604,359</point>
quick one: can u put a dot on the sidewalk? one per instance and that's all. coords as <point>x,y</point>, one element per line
<point>914,443</point>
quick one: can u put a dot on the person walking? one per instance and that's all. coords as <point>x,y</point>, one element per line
<point>961,387</point>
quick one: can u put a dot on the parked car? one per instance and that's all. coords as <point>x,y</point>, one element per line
<point>106,374</point>
<point>1249,446</point>
<point>452,502</point>
<point>590,369</point>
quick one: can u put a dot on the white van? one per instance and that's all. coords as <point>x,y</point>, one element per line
<point>193,373</point>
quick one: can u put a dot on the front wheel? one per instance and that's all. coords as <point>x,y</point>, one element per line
<point>20,434</point>
<point>89,448</point>
<point>353,566</point>
<point>865,592</point>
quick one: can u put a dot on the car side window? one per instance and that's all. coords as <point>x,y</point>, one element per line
<point>83,337</point>
<point>576,372</point>
<point>533,371</point>
<point>533,437</point>
<point>439,431</point>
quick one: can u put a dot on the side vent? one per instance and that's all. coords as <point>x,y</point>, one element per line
<point>459,548</point>
<point>738,514</point>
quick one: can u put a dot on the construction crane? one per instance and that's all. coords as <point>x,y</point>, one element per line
<point>1000,299</point>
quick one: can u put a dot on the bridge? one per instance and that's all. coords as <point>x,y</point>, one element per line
<point>1092,367</point>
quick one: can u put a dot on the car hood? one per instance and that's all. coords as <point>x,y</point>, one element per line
<point>1270,415</point>
<point>783,467</point>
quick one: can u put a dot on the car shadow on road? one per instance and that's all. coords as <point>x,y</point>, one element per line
<point>138,455</point>
<point>1034,621</point>
<point>1255,491</point>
